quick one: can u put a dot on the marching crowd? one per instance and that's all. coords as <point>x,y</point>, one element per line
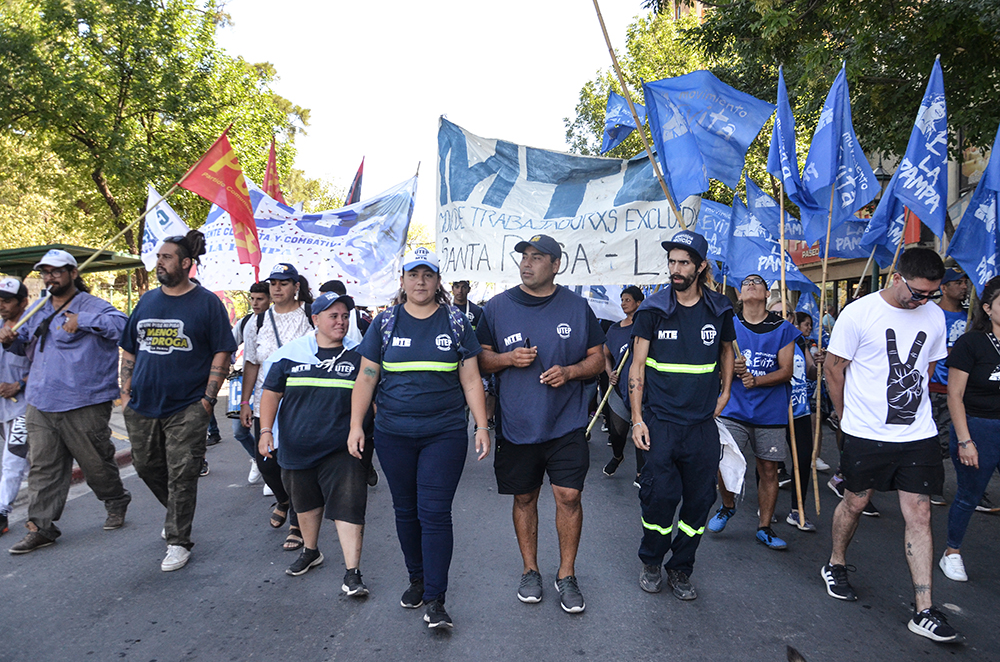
<point>324,387</point>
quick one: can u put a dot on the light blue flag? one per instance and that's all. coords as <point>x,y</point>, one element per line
<point>836,163</point>
<point>886,226</point>
<point>713,224</point>
<point>753,250</point>
<point>767,211</point>
<point>618,121</point>
<point>923,172</point>
<point>845,241</point>
<point>702,128</point>
<point>976,242</point>
<point>807,304</point>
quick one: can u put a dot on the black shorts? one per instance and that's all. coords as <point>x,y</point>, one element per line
<point>908,466</point>
<point>521,468</point>
<point>338,481</point>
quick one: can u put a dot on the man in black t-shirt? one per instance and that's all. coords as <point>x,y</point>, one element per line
<point>460,294</point>
<point>683,356</point>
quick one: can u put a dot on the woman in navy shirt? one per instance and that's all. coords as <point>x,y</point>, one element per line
<point>421,353</point>
<point>619,338</point>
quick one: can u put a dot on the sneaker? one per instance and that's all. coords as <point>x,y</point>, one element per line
<point>953,567</point>
<point>267,490</point>
<point>604,427</point>
<point>793,519</point>
<point>635,483</point>
<point>29,543</point>
<point>870,510</point>
<point>681,585</point>
<point>204,468</point>
<point>650,579</point>
<point>530,588</point>
<point>987,506</point>
<point>612,466</point>
<point>308,559</point>
<point>213,439</point>
<point>176,558</point>
<point>254,474</point>
<point>821,465</point>
<point>413,596</point>
<point>721,518</point>
<point>932,624</point>
<point>4,527</point>
<point>833,422</point>
<point>836,485</point>
<point>784,479</point>
<point>570,597</point>
<point>837,585</point>
<point>436,616</point>
<point>353,584</point>
<point>938,500</point>
<point>765,535</point>
<point>372,477</point>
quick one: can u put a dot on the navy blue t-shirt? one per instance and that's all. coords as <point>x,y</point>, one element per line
<point>173,340</point>
<point>563,328</point>
<point>473,312</point>
<point>315,414</point>
<point>619,339</point>
<point>682,381</point>
<point>419,392</point>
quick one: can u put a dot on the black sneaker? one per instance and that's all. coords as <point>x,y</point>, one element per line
<point>986,505</point>
<point>932,624</point>
<point>4,525</point>
<point>308,558</point>
<point>837,585</point>
<point>870,510</point>
<point>372,477</point>
<point>204,468</point>
<point>436,616</point>
<point>413,596</point>
<point>530,588</point>
<point>213,439</point>
<point>938,500</point>
<point>353,585</point>
<point>29,543</point>
<point>570,597</point>
<point>650,579</point>
<point>612,466</point>
<point>784,479</point>
<point>681,585</point>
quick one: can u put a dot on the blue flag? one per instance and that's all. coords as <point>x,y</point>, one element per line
<point>752,250</point>
<point>702,128</point>
<point>923,172</point>
<point>768,213</point>
<point>886,226</point>
<point>836,163</point>
<point>713,224</point>
<point>976,242</point>
<point>845,241</point>
<point>618,121</point>
<point>807,304</point>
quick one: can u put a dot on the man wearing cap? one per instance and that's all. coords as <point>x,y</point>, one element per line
<point>460,295</point>
<point>13,378</point>
<point>175,356</point>
<point>682,368</point>
<point>73,346</point>
<point>542,340</point>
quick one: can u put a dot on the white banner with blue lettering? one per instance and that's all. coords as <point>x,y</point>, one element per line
<point>361,244</point>
<point>609,215</point>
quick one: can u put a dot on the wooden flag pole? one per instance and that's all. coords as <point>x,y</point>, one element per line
<point>863,274</point>
<point>902,238</point>
<point>635,116</point>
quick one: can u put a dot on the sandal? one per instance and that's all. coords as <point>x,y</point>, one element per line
<point>294,540</point>
<point>279,514</point>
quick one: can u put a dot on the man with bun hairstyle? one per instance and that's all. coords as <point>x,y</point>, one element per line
<point>175,356</point>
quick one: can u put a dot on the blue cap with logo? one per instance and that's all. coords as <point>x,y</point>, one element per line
<point>691,241</point>
<point>327,299</point>
<point>953,274</point>
<point>543,243</point>
<point>284,271</point>
<point>421,257</point>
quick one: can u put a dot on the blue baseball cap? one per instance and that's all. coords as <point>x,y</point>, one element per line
<point>284,271</point>
<point>690,241</point>
<point>421,256</point>
<point>953,274</point>
<point>543,243</point>
<point>327,299</point>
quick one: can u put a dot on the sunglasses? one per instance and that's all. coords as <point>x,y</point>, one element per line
<point>919,296</point>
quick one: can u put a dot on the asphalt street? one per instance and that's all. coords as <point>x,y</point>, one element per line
<point>98,595</point>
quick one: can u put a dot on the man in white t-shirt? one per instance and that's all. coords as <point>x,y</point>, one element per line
<point>890,439</point>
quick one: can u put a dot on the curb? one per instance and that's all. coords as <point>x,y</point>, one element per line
<point>122,458</point>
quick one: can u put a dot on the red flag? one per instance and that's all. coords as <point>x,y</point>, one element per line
<point>218,178</point>
<point>354,194</point>
<point>271,186</point>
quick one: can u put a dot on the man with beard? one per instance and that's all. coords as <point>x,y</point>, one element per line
<point>460,295</point>
<point>682,368</point>
<point>13,379</point>
<point>72,343</point>
<point>176,349</point>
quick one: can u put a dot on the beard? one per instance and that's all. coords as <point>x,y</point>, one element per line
<point>684,284</point>
<point>169,278</point>
<point>61,290</point>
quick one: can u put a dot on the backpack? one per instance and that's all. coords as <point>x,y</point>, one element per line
<point>456,321</point>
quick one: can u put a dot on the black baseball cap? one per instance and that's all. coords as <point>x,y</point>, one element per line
<point>690,241</point>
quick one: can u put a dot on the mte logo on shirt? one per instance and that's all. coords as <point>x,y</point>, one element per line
<point>511,339</point>
<point>400,342</point>
<point>667,334</point>
<point>443,342</point>
<point>158,336</point>
<point>564,330</point>
<point>708,334</point>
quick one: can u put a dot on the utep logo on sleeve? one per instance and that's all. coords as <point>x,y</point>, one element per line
<point>564,330</point>
<point>158,336</point>
<point>443,342</point>
<point>708,334</point>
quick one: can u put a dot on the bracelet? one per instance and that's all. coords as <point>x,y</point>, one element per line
<point>265,430</point>
<point>637,424</point>
<point>965,443</point>
<point>244,402</point>
<point>479,428</point>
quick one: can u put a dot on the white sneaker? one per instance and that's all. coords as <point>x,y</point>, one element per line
<point>177,557</point>
<point>268,491</point>
<point>254,474</point>
<point>821,465</point>
<point>953,567</point>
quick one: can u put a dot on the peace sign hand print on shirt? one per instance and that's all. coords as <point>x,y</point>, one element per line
<point>904,387</point>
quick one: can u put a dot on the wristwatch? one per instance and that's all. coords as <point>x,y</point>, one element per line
<point>211,401</point>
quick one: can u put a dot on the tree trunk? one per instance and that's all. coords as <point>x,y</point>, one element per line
<point>141,275</point>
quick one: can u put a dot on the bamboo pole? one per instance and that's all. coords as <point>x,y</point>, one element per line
<point>635,116</point>
<point>604,401</point>
<point>899,246</point>
<point>863,274</point>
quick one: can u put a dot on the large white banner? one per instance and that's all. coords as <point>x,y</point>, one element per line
<point>609,215</point>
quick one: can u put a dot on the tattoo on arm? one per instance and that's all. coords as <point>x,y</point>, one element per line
<point>837,360</point>
<point>369,372</point>
<point>125,376</point>
<point>212,389</point>
<point>909,550</point>
<point>631,384</point>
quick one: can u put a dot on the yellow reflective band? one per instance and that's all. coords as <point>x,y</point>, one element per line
<point>658,529</point>
<point>684,368</point>
<point>417,366</point>
<point>320,382</point>
<point>688,530</point>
